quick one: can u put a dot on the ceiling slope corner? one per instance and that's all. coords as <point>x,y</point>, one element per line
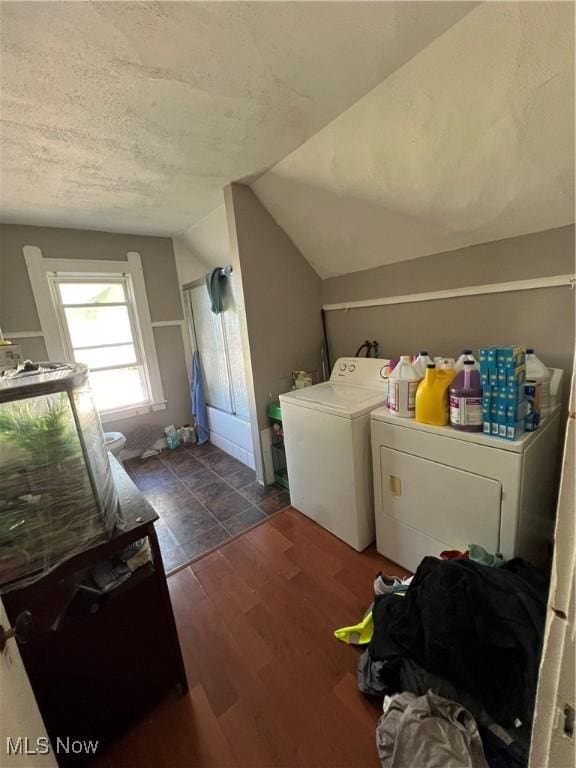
<point>470,141</point>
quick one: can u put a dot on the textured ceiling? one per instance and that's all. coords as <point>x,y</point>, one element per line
<point>133,116</point>
<point>205,245</point>
<point>472,140</point>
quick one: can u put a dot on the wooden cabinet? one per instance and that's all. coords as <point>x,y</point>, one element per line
<point>98,662</point>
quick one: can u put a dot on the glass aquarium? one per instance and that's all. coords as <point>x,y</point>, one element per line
<point>57,495</point>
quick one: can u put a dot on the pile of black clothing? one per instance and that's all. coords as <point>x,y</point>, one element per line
<point>470,633</point>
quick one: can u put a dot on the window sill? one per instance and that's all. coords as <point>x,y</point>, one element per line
<point>107,417</point>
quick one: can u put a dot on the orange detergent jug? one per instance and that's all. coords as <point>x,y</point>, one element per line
<point>432,396</point>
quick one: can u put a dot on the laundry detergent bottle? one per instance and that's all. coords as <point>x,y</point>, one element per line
<point>466,355</point>
<point>446,364</point>
<point>420,363</point>
<point>432,397</point>
<point>537,371</point>
<point>402,386</point>
<point>466,399</point>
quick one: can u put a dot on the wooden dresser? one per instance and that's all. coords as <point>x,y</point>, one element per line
<point>99,661</point>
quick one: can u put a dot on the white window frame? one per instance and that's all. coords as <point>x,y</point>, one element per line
<point>57,279</point>
<point>44,273</point>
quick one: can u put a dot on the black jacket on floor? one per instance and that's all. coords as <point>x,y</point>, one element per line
<point>479,627</point>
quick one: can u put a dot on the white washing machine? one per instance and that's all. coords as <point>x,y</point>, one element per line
<point>327,441</point>
<point>436,488</point>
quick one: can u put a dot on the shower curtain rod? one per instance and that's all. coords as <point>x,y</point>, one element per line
<point>452,293</point>
<point>224,271</point>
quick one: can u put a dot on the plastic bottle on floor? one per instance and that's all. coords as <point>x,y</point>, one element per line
<point>537,371</point>
<point>402,386</point>
<point>466,355</point>
<point>420,363</point>
<point>466,399</point>
<point>432,398</point>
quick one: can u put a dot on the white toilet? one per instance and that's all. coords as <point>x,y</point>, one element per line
<point>115,442</point>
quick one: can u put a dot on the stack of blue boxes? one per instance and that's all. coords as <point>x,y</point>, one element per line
<point>503,373</point>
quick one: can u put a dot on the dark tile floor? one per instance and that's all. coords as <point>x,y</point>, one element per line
<point>203,497</point>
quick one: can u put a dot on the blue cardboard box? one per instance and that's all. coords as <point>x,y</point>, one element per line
<point>512,356</point>
<point>514,431</point>
<point>515,413</point>
<point>487,355</point>
<point>515,377</point>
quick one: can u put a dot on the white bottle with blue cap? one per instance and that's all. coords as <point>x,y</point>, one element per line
<point>466,355</point>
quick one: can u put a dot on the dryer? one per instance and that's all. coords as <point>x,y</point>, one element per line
<point>436,488</point>
<point>327,442</point>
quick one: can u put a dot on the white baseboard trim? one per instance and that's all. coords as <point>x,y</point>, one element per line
<point>166,323</point>
<point>23,334</point>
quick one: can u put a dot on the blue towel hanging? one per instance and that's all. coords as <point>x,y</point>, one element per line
<point>215,282</point>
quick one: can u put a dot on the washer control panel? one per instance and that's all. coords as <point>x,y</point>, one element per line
<point>361,371</point>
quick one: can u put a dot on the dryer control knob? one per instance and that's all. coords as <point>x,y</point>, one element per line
<point>342,366</point>
<point>352,367</point>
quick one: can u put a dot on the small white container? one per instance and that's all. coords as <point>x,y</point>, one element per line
<point>537,371</point>
<point>402,386</point>
<point>420,363</point>
<point>466,355</point>
<point>385,372</point>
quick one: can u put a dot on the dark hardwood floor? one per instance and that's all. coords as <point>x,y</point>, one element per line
<point>269,684</point>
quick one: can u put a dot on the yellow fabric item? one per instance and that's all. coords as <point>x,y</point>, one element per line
<point>359,634</point>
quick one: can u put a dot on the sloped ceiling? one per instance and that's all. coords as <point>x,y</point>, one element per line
<point>470,141</point>
<point>204,245</point>
<point>133,116</point>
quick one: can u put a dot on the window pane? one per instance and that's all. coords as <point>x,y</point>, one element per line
<point>117,388</point>
<point>91,326</point>
<point>86,293</point>
<point>105,356</point>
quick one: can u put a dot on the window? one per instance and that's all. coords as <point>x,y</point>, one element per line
<point>96,312</point>
<point>100,328</point>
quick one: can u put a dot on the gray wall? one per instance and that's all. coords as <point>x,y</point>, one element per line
<point>282,298</point>
<point>18,310</point>
<point>542,318</point>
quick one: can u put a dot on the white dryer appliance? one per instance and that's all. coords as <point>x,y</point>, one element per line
<point>327,441</point>
<point>436,488</point>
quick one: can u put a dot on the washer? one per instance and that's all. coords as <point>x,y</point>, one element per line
<point>436,488</point>
<point>327,441</point>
